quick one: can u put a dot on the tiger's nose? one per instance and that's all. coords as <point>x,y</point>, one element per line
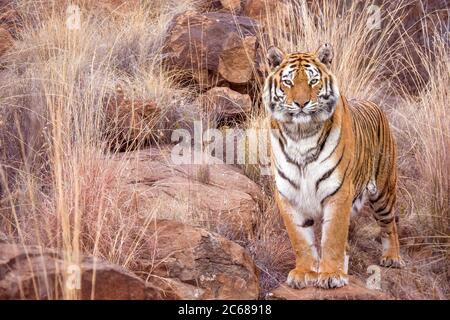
<point>299,105</point>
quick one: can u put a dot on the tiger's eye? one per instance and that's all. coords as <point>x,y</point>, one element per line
<point>313,81</point>
<point>288,82</point>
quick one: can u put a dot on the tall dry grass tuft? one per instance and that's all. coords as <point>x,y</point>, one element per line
<point>424,124</point>
<point>57,84</point>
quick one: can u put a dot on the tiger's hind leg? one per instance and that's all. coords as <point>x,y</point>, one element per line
<point>383,211</point>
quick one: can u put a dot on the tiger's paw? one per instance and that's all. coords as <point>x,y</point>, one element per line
<point>392,261</point>
<point>329,280</point>
<point>298,278</point>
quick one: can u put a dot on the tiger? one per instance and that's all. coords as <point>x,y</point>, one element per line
<point>329,157</point>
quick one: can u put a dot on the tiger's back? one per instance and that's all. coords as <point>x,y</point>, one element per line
<point>374,164</point>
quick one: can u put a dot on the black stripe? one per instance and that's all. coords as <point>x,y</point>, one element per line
<point>288,158</point>
<point>386,221</point>
<point>377,171</point>
<point>381,209</point>
<point>384,214</point>
<point>327,174</point>
<point>334,149</point>
<point>388,205</point>
<point>324,136</point>
<point>337,189</point>
<point>381,194</point>
<point>308,223</point>
<point>282,175</point>
<point>283,138</point>
<point>308,151</point>
<point>357,196</point>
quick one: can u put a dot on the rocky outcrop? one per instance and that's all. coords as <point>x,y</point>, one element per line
<point>211,194</point>
<point>355,290</point>
<point>214,47</point>
<point>193,263</point>
<point>33,272</point>
<point>130,121</point>
<point>222,103</point>
<point>182,262</point>
<point>260,9</point>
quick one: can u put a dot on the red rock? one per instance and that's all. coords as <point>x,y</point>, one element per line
<point>33,272</point>
<point>215,194</point>
<point>224,103</point>
<point>260,9</point>
<point>193,263</point>
<point>355,290</point>
<point>129,120</point>
<point>213,44</point>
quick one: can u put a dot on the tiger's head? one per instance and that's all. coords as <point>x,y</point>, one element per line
<point>300,87</point>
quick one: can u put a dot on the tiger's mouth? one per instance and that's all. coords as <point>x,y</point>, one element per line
<point>309,109</point>
<point>313,112</point>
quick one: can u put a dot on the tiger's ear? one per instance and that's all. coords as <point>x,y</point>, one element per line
<point>274,56</point>
<point>325,54</point>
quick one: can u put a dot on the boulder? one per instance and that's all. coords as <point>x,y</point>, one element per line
<point>193,263</point>
<point>215,46</point>
<point>212,194</point>
<point>222,103</point>
<point>260,9</point>
<point>32,272</point>
<point>355,290</point>
<point>129,121</point>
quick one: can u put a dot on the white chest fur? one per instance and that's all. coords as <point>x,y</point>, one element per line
<point>298,180</point>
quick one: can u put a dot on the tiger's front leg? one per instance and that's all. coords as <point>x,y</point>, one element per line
<point>302,239</point>
<point>335,225</point>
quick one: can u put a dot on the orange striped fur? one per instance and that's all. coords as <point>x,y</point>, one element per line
<point>329,157</point>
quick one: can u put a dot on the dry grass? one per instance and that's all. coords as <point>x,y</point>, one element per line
<point>56,85</point>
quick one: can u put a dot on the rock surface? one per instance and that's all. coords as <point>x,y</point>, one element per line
<point>193,263</point>
<point>215,45</point>
<point>213,194</point>
<point>260,9</point>
<point>356,290</point>
<point>129,121</point>
<point>222,103</point>
<point>36,273</point>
